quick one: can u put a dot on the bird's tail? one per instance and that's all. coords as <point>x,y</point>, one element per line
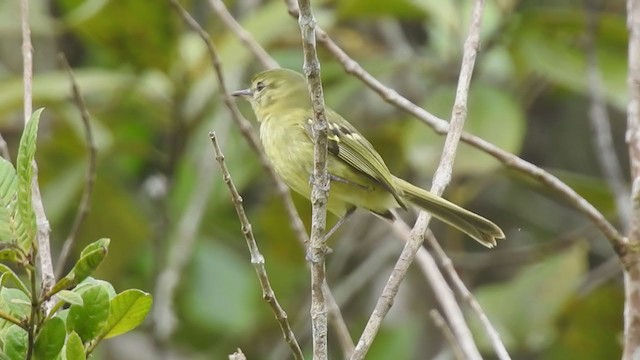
<point>480,229</point>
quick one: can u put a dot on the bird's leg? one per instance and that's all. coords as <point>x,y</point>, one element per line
<point>341,221</point>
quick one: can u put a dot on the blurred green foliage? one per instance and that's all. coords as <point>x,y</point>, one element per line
<point>153,97</point>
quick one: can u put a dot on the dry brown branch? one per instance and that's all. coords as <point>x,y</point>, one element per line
<point>257,260</point>
<point>441,180</point>
<point>42,235</point>
<point>90,173</point>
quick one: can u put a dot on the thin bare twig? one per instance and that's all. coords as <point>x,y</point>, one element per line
<point>441,324</point>
<point>441,127</point>
<point>461,288</point>
<point>42,235</point>
<point>90,173</point>
<point>243,35</point>
<point>269,63</point>
<point>600,123</point>
<point>317,248</point>
<point>257,260</point>
<point>441,180</point>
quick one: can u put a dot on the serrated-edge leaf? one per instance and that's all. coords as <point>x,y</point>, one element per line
<point>25,219</point>
<point>8,196</point>
<point>74,348</point>
<point>50,340</point>
<point>70,297</point>
<point>15,342</point>
<point>128,310</point>
<point>102,243</point>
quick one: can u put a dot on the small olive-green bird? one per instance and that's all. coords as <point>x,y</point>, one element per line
<point>359,177</point>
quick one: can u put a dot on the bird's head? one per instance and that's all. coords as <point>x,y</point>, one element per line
<point>277,90</point>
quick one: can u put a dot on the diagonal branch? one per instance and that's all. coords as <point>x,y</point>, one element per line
<point>441,179</point>
<point>90,174</point>
<point>257,260</point>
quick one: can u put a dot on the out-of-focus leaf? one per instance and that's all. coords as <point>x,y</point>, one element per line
<point>26,219</point>
<point>89,319</point>
<point>525,309</point>
<point>221,280</point>
<point>15,343</point>
<point>405,9</point>
<point>150,21</point>
<point>547,44</point>
<point>54,87</point>
<point>8,274</point>
<point>396,342</point>
<point>50,340</point>
<point>492,115</point>
<point>128,310</point>
<point>8,188</point>
<point>596,316</point>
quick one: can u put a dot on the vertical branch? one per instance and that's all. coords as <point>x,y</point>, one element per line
<point>320,191</point>
<point>600,123</point>
<point>441,180</point>
<point>42,235</point>
<point>631,258</point>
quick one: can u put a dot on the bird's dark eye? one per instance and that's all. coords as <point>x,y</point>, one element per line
<point>260,86</point>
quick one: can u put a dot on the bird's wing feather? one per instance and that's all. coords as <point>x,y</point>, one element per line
<point>348,145</point>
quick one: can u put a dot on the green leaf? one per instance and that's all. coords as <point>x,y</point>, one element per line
<point>405,9</point>
<point>50,340</point>
<point>70,297</point>
<point>15,343</point>
<point>87,264</point>
<point>10,275</point>
<point>96,245</point>
<point>8,196</point>
<point>74,348</point>
<point>89,319</point>
<point>26,220</point>
<point>128,310</point>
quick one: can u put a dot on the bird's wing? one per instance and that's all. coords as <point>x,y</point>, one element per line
<point>348,145</point>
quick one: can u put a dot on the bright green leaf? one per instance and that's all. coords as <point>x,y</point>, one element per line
<point>70,297</point>
<point>8,190</point>
<point>74,349</point>
<point>82,269</point>
<point>26,220</point>
<point>96,245</point>
<point>128,310</point>
<point>50,340</point>
<point>89,319</point>
<point>15,343</point>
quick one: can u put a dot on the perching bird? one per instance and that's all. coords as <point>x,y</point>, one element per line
<point>359,176</point>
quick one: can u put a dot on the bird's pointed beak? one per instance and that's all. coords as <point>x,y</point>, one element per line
<point>243,93</point>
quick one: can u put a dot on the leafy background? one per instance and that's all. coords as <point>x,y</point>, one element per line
<point>153,98</point>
